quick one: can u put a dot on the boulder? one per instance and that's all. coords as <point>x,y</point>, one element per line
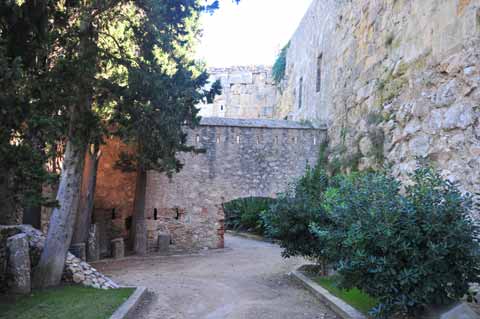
<point>19,264</point>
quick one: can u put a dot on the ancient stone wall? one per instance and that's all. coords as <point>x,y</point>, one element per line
<point>393,80</point>
<point>242,158</point>
<point>247,92</point>
<point>114,196</point>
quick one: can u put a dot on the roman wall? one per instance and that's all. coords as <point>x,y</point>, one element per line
<point>247,92</point>
<point>393,80</point>
<point>241,158</point>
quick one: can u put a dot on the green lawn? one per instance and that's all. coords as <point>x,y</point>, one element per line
<point>70,302</point>
<point>353,297</point>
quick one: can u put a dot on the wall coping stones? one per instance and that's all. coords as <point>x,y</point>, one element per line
<point>256,123</point>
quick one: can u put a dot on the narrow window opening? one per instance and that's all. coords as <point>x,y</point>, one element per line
<point>319,72</point>
<point>276,139</point>
<point>177,213</point>
<point>300,93</point>
<point>258,140</point>
<point>114,214</point>
<point>221,108</point>
<point>314,141</point>
<point>238,139</point>
<point>198,139</point>
<point>218,140</point>
<point>155,214</point>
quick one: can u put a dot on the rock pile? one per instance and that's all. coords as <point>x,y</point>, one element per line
<point>76,270</point>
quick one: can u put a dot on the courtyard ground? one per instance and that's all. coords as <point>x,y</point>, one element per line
<point>247,280</point>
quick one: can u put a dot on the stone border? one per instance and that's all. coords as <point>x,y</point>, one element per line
<point>340,307</point>
<point>128,307</point>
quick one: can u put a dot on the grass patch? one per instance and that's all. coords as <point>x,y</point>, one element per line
<point>354,297</point>
<point>71,302</point>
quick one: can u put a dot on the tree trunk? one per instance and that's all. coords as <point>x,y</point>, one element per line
<point>60,231</point>
<point>87,196</point>
<point>139,229</point>
<point>50,268</point>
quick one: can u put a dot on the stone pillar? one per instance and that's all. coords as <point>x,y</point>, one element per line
<point>19,263</point>
<point>79,251</point>
<point>118,248</point>
<point>163,242</point>
<point>93,249</point>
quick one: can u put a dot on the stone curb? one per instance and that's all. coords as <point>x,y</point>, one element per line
<point>128,307</point>
<point>250,236</point>
<point>337,305</point>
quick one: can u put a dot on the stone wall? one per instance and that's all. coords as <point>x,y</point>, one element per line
<point>247,92</point>
<point>243,158</point>
<point>393,80</point>
<point>114,196</point>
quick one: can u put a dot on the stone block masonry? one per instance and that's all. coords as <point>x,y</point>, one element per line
<point>247,92</point>
<point>242,158</point>
<point>393,80</point>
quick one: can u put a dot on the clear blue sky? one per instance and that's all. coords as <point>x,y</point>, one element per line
<point>251,32</point>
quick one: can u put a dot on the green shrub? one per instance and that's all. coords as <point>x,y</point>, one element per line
<point>245,213</point>
<point>289,218</point>
<point>407,250</point>
<point>280,65</point>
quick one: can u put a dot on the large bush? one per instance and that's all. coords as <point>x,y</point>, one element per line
<point>290,217</point>
<point>245,213</point>
<point>408,249</point>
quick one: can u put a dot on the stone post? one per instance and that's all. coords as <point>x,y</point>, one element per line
<point>163,242</point>
<point>19,263</point>
<point>93,248</point>
<point>118,248</point>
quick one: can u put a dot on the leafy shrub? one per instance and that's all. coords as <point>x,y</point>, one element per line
<point>280,65</point>
<point>244,214</point>
<point>289,218</point>
<point>407,249</point>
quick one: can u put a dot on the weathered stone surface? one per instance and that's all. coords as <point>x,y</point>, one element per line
<point>118,248</point>
<point>247,92</point>
<point>243,158</point>
<point>163,242</point>
<point>19,264</point>
<point>375,58</point>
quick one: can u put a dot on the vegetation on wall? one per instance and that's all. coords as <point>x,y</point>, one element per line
<point>280,65</point>
<point>408,249</point>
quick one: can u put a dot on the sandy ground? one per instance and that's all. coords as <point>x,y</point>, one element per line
<point>247,280</point>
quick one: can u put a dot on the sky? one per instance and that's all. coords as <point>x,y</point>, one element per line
<point>250,33</point>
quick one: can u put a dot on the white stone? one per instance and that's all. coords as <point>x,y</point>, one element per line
<point>459,115</point>
<point>420,145</point>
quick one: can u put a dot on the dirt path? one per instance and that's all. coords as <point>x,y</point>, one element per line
<point>248,280</point>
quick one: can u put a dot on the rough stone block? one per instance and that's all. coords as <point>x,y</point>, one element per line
<point>19,263</point>
<point>79,250</point>
<point>163,242</point>
<point>118,248</point>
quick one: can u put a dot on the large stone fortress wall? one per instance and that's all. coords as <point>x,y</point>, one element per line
<point>243,158</point>
<point>393,80</point>
<point>247,92</point>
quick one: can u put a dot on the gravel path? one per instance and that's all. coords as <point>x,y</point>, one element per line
<point>247,280</point>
